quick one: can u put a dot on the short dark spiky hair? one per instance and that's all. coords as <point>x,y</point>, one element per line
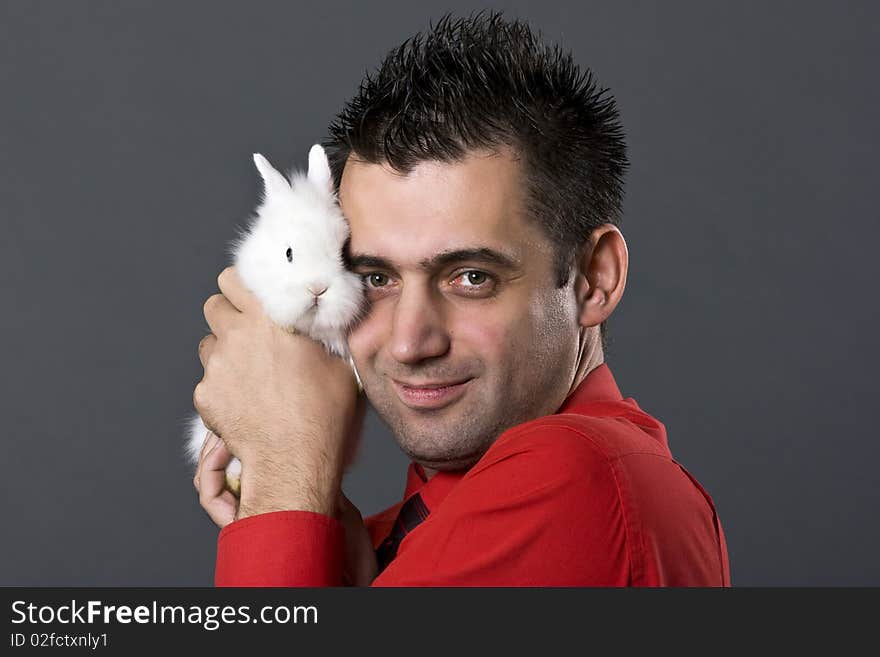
<point>483,82</point>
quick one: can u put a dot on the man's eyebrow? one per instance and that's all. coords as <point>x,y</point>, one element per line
<point>481,254</point>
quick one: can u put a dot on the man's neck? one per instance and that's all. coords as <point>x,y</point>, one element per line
<point>590,355</point>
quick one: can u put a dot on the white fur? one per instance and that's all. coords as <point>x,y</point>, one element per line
<point>301,214</point>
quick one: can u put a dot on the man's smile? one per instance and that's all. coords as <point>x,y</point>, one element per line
<point>429,395</point>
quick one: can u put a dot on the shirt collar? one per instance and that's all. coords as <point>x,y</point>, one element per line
<point>597,395</point>
<point>597,386</point>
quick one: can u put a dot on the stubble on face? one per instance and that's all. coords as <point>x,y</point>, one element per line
<point>519,345</point>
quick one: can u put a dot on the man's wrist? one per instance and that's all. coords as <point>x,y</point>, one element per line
<point>271,487</point>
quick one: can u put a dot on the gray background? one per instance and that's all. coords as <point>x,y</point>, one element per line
<point>748,324</point>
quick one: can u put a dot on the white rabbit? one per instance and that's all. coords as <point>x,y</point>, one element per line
<point>290,257</point>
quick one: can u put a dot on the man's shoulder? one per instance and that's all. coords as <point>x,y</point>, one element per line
<point>573,438</point>
<point>567,456</point>
<point>611,460</point>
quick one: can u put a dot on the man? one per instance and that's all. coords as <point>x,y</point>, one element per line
<point>481,174</point>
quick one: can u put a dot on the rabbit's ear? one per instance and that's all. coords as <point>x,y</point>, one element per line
<point>272,179</point>
<point>319,169</point>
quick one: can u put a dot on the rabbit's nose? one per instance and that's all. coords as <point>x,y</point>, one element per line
<point>317,289</point>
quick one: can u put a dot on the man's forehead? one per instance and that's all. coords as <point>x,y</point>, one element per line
<point>436,208</point>
<point>427,243</point>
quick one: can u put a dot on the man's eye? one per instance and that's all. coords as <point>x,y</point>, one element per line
<point>474,278</point>
<point>375,280</point>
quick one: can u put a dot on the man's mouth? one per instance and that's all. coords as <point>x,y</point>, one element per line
<point>429,394</point>
<point>429,385</point>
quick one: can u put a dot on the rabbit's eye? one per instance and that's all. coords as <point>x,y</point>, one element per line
<point>289,254</point>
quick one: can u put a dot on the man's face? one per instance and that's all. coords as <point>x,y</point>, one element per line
<point>461,290</point>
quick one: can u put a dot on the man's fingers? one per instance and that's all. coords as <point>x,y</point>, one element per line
<point>206,346</point>
<point>208,470</point>
<point>219,503</point>
<point>235,292</point>
<point>219,313</point>
<point>217,457</point>
<point>208,444</point>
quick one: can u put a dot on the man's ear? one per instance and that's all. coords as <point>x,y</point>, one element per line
<point>600,274</point>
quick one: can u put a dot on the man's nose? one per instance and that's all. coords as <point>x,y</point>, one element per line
<point>418,331</point>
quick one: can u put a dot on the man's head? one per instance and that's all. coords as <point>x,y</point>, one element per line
<point>481,174</point>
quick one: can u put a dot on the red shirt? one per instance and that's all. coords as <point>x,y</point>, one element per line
<point>588,496</point>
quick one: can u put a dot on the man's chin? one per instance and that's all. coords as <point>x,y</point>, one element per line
<point>444,463</point>
<point>437,438</point>
<point>447,444</point>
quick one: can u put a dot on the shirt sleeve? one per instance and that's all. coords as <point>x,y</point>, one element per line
<point>546,506</point>
<point>543,511</point>
<point>281,548</point>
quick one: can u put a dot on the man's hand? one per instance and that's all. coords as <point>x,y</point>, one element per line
<point>280,402</point>
<point>210,479</point>
<point>361,566</point>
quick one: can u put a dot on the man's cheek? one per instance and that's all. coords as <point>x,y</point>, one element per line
<point>364,341</point>
<point>486,340</point>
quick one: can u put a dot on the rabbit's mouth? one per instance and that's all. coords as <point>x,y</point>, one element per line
<point>310,316</point>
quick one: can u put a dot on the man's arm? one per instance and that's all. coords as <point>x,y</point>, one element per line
<point>517,518</point>
<point>281,548</point>
<point>290,412</point>
<point>548,508</point>
<point>296,548</point>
